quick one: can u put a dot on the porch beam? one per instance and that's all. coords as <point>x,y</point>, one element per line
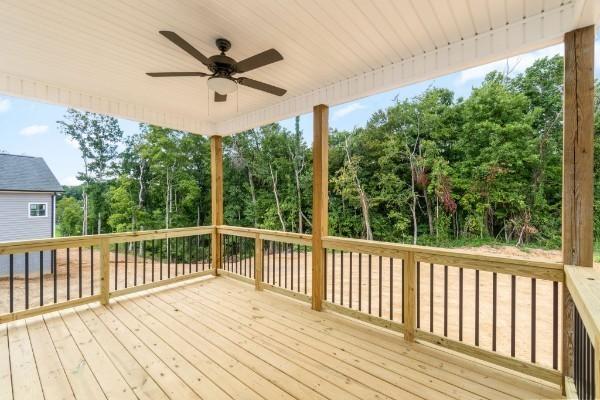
<point>578,168</point>
<point>320,216</point>
<point>216,197</point>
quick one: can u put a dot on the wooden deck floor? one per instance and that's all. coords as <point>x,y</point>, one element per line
<point>218,338</point>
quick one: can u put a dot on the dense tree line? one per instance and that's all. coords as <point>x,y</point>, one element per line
<point>430,169</point>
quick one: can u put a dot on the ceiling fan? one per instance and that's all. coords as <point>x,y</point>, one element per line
<point>221,81</point>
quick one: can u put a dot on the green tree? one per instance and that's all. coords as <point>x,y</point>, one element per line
<point>97,137</point>
<point>69,216</point>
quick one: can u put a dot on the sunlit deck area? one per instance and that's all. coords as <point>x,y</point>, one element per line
<point>218,338</point>
<point>156,313</point>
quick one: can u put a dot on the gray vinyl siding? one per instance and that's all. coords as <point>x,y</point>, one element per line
<point>15,224</point>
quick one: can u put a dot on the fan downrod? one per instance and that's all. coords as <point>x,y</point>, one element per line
<point>223,45</point>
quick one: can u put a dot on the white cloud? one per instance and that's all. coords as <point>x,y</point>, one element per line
<point>348,109</point>
<point>515,65</point>
<point>70,181</point>
<point>4,105</point>
<point>33,130</point>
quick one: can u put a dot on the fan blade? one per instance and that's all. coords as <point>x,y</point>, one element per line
<point>185,46</point>
<point>220,97</point>
<point>168,74</point>
<point>265,87</point>
<point>259,60</point>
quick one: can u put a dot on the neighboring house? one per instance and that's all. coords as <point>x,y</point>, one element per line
<point>27,206</point>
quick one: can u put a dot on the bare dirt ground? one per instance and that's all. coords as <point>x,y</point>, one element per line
<point>345,290</point>
<point>71,284</point>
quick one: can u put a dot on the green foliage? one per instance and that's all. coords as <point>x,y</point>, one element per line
<point>69,215</point>
<point>432,169</point>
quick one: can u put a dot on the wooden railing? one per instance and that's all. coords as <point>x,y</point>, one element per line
<point>283,265</point>
<point>503,310</point>
<point>584,286</point>
<point>499,309</point>
<point>44,275</point>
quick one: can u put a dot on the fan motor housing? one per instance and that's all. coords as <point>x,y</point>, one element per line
<point>221,64</point>
<point>223,44</point>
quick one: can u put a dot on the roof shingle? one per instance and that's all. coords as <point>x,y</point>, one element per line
<point>24,173</point>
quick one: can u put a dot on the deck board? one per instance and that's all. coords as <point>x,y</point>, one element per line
<point>345,358</point>
<point>217,338</point>
<point>26,381</point>
<point>503,383</point>
<point>6,391</point>
<point>52,375</point>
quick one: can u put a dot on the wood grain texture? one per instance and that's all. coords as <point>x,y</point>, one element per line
<point>320,215</point>
<point>266,234</point>
<point>219,339</point>
<point>216,197</point>
<point>104,271</point>
<point>578,168</point>
<point>583,284</point>
<point>410,298</point>
<point>524,367</point>
<point>258,262</point>
<point>22,246</point>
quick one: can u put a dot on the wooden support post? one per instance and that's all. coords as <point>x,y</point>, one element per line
<point>578,168</point>
<point>410,297</point>
<point>216,197</point>
<point>320,220</point>
<point>597,372</point>
<point>104,271</point>
<point>258,262</point>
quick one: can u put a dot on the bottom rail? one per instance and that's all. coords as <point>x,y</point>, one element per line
<point>361,316</point>
<point>32,312</point>
<point>513,364</point>
<point>180,278</point>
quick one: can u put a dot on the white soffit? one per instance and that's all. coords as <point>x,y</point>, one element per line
<point>93,55</point>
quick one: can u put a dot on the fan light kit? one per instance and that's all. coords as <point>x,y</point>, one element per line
<point>221,85</point>
<point>221,81</point>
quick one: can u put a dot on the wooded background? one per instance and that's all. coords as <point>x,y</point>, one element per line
<point>433,169</point>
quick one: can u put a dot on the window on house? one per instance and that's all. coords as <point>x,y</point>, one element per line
<point>37,209</point>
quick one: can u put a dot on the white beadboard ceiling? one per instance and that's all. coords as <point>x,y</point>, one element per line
<point>93,55</point>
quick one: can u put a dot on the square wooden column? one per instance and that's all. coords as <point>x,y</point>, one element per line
<point>216,197</point>
<point>578,168</point>
<point>320,216</point>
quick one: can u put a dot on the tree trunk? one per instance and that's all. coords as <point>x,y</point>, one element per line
<point>299,197</point>
<point>276,194</point>
<point>362,196</point>
<point>253,195</point>
<point>413,206</point>
<point>168,202</point>
<point>142,191</point>
<point>84,228</point>
<point>429,211</point>
<point>413,210</point>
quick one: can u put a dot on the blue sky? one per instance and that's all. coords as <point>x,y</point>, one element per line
<point>29,127</point>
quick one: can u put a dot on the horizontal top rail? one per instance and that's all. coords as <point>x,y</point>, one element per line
<point>266,234</point>
<point>584,285</point>
<point>21,246</point>
<point>502,264</point>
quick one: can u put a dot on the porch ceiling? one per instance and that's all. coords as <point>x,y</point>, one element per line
<point>80,54</point>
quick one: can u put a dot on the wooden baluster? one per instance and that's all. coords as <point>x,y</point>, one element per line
<point>104,271</point>
<point>258,262</point>
<point>410,297</point>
